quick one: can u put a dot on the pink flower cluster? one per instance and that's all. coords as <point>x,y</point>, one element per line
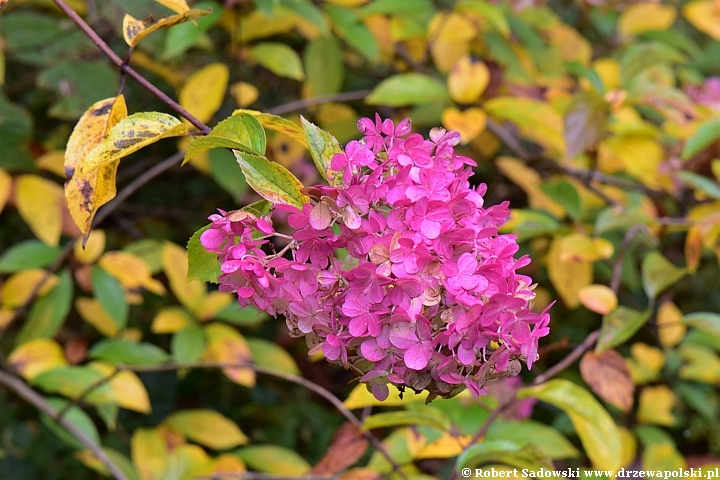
<point>428,295</point>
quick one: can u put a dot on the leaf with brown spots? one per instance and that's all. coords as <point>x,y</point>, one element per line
<point>135,30</point>
<point>348,446</point>
<point>608,376</point>
<point>87,192</point>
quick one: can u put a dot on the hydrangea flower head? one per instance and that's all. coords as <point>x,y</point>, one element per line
<point>426,294</point>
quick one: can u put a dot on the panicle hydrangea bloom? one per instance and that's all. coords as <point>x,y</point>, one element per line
<point>428,296</point>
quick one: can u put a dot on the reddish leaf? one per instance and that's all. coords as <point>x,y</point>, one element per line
<point>347,448</point>
<point>608,376</point>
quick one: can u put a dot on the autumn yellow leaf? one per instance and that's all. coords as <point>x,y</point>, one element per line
<point>568,278</point>
<point>225,463</point>
<point>670,327</point>
<point>648,356</point>
<point>93,313</point>
<point>40,203</point>
<point>36,356</point>
<point>598,298</point>
<point>135,30</point>
<point>129,389</point>
<point>131,271</point>
<point>131,28</point>
<point>244,93</point>
<point>227,346</point>
<point>468,80</point>
<point>646,16</point>
<point>88,191</point>
<point>705,16</point>
<point>53,162</point>
<point>469,123</point>
<point>149,453</point>
<point>208,428</point>
<point>608,69</point>
<point>203,93</point>
<point>529,180</point>
<point>655,406</point>
<point>5,186</point>
<point>572,46</point>
<point>17,289</point>
<point>213,303</point>
<point>175,263</point>
<point>177,6</point>
<point>171,320</point>
<point>451,34</point>
<point>447,446</point>
<point>94,247</point>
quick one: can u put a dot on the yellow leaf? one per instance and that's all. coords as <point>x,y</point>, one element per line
<point>578,247</point>
<point>285,150</point>
<point>129,390</point>
<point>52,162</point>
<point>451,34</point>
<point>227,346</point>
<point>36,356</point>
<point>469,123</point>
<point>447,446</point>
<point>93,313</point>
<point>6,315</point>
<point>468,80</point>
<point>656,405</point>
<point>701,364</point>
<point>171,320</point>
<point>643,17</point>
<point>568,278</point>
<point>88,191</point>
<point>629,446</point>
<point>177,6</point>
<point>40,202</point>
<point>705,16</point>
<point>149,453</point>
<point>529,180</point>
<point>608,69</point>
<point>133,33</point>
<point>175,263</point>
<point>17,289</point>
<point>131,271</point>
<point>598,298</point>
<point>5,186</point>
<point>225,463</point>
<point>347,3</point>
<point>244,93</point>
<point>639,156</point>
<point>171,76</point>
<point>647,356</point>
<point>94,247</point>
<point>693,248</point>
<point>203,93</point>
<point>213,303</point>
<point>670,327</point>
<point>208,428</point>
<point>572,46</point>
<point>361,397</point>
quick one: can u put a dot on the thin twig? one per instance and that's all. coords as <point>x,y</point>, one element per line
<point>32,397</point>
<point>586,345</point>
<point>309,102</point>
<point>622,251</point>
<point>127,69</point>
<point>296,379</point>
<point>88,390</point>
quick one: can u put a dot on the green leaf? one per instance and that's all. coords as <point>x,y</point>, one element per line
<point>74,415</point>
<point>273,459</point>
<point>353,31</point>
<point>703,184</point>
<point>225,172</point>
<point>277,124</point>
<point>428,416</point>
<point>48,314</point>
<point>15,130</point>
<point>324,66</point>
<point>74,381</point>
<point>663,456</point>
<point>549,440</point>
<point>128,352</point>
<point>188,345</point>
<point>246,316</point>
<point>595,427</point>
<point>280,59</point>
<point>271,180</point>
<point>239,132</point>
<point>120,461</point>
<point>269,355</point>
<point>642,55</point>
<point>658,274</point>
<point>528,224</point>
<point>202,265</point>
<point>706,322</point>
<point>565,194</point>
<point>619,326</point>
<point>408,89</point>
<point>508,453</point>
<point>705,135</point>
<point>28,254</point>
<point>490,12</point>
<point>397,7</point>
<point>111,296</point>
<point>308,11</point>
<point>323,147</point>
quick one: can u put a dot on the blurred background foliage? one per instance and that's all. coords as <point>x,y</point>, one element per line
<point>598,120</point>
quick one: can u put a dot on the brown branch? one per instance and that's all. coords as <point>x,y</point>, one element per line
<point>309,102</point>
<point>127,69</point>
<point>296,379</point>
<point>88,390</point>
<point>568,360</point>
<point>622,251</point>
<point>32,397</point>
